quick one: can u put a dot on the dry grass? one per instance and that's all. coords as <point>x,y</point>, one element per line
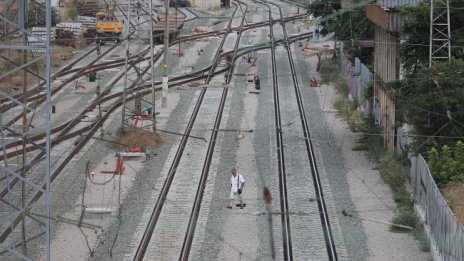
<point>63,53</point>
<point>453,195</point>
<point>136,137</point>
<point>13,83</point>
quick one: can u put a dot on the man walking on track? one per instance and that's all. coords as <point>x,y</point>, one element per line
<point>236,188</point>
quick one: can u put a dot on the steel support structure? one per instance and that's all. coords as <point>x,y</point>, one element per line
<point>152,64</point>
<point>139,27</point>
<point>124,117</point>
<point>164,91</point>
<point>440,32</point>
<point>22,177</point>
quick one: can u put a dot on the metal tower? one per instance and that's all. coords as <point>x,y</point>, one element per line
<point>25,58</point>
<point>135,72</point>
<point>440,33</point>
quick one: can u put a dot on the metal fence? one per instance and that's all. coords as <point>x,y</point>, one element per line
<point>357,78</point>
<point>445,232</point>
<point>397,3</point>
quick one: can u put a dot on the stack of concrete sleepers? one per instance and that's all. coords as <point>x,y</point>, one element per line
<point>75,28</point>
<point>87,22</point>
<point>39,37</point>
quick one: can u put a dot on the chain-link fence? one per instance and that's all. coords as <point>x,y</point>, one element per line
<point>445,232</point>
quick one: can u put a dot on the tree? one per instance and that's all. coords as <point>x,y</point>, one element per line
<point>415,32</point>
<point>36,15</point>
<point>447,164</point>
<point>432,100</point>
<point>72,12</point>
<point>347,25</point>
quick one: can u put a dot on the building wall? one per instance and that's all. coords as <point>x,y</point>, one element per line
<point>386,69</point>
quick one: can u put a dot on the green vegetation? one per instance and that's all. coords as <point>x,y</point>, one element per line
<point>432,100</point>
<point>369,91</point>
<point>414,50</point>
<point>390,167</point>
<point>330,74</point>
<point>36,15</point>
<point>72,13</point>
<point>447,164</point>
<point>347,25</point>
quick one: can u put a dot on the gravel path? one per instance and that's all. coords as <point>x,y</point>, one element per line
<point>372,198</point>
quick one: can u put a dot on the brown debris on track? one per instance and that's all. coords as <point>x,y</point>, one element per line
<point>132,137</point>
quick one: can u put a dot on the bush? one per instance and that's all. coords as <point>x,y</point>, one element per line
<point>447,164</point>
<point>369,91</point>
<point>405,217</point>
<point>72,13</point>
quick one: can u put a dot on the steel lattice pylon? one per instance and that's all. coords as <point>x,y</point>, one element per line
<point>135,73</point>
<point>440,33</point>
<point>25,58</point>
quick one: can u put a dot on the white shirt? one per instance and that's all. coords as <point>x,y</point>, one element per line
<point>235,181</point>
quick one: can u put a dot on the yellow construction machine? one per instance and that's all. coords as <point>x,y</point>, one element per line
<point>108,28</point>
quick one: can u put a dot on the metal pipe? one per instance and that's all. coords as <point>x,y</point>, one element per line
<point>152,64</point>
<point>164,98</point>
<point>124,95</point>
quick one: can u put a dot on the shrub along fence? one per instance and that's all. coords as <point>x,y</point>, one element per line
<point>445,232</point>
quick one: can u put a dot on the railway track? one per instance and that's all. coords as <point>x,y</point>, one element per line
<point>190,232</point>
<point>324,217</point>
<point>91,129</point>
<point>67,130</point>
<point>284,208</point>
<point>89,132</point>
<point>330,245</point>
<point>157,210</point>
<point>64,127</point>
<point>35,97</point>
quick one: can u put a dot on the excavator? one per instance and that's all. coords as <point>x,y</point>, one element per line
<point>108,28</point>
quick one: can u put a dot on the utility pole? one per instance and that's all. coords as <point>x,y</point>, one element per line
<point>152,64</point>
<point>124,94</point>
<point>164,98</point>
<point>22,23</point>
<point>98,90</point>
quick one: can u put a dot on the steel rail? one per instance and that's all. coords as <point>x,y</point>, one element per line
<point>53,142</point>
<point>59,128</point>
<point>146,238</point>
<point>8,231</point>
<point>37,89</point>
<point>33,91</point>
<point>329,241</point>
<point>39,98</point>
<point>80,144</point>
<point>284,208</point>
<point>195,212</point>
<point>70,124</point>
